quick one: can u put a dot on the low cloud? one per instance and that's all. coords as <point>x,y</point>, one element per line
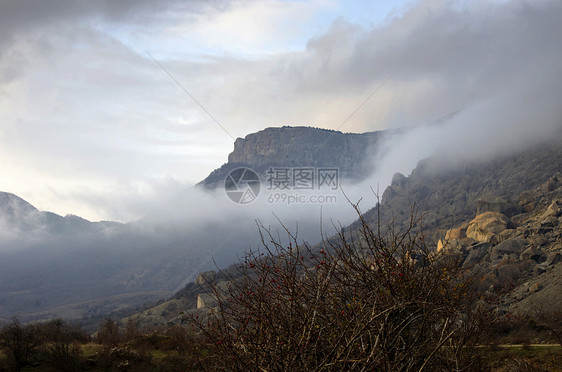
<point>84,105</point>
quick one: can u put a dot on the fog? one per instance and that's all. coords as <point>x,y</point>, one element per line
<point>92,126</point>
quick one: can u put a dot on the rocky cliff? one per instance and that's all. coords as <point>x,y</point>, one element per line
<point>300,147</point>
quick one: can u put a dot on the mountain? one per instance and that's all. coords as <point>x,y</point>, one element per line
<point>14,207</point>
<point>501,216</point>
<point>301,147</point>
<point>448,194</point>
<point>67,266</point>
<point>18,215</point>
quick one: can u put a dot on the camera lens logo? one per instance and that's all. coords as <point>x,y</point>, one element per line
<point>242,185</point>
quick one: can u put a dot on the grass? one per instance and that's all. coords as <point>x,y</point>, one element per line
<point>503,358</point>
<point>523,358</point>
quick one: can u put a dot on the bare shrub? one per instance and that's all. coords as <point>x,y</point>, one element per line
<point>121,358</point>
<point>19,342</point>
<point>367,301</point>
<point>108,333</point>
<point>61,350</point>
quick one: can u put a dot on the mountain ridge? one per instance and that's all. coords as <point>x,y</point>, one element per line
<point>21,215</point>
<point>300,147</point>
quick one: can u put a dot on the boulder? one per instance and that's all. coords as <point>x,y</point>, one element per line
<point>531,253</point>
<point>539,269</point>
<point>476,253</point>
<point>506,234</point>
<point>451,244</point>
<point>508,273</point>
<point>536,239</point>
<point>553,258</point>
<point>486,225</point>
<point>535,287</point>
<point>458,233</point>
<point>204,278</point>
<point>205,300</point>
<point>511,246</point>
<point>448,245</point>
<point>542,230</point>
<point>440,245</point>
<point>550,221</point>
<point>553,210</point>
<point>496,204</point>
<point>552,184</point>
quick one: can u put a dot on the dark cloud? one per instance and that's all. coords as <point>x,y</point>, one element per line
<point>19,15</point>
<point>32,22</point>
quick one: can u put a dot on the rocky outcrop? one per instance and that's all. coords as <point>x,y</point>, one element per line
<point>300,147</point>
<point>303,146</point>
<point>490,203</point>
<point>486,226</point>
<point>206,300</point>
<point>523,253</point>
<point>205,278</point>
<point>455,238</point>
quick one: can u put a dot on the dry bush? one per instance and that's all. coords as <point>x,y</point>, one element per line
<point>369,301</point>
<point>19,343</point>
<point>108,333</point>
<point>551,321</point>
<point>539,326</point>
<point>60,350</point>
<point>120,358</point>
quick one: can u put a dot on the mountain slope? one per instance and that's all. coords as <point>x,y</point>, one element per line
<point>523,191</point>
<point>52,265</point>
<point>447,195</point>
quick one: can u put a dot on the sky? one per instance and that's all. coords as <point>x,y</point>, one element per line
<point>108,108</point>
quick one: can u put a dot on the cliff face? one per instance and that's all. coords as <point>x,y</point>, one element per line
<point>300,147</point>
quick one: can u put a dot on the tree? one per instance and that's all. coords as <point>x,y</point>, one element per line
<point>370,300</point>
<point>60,350</point>
<point>19,342</point>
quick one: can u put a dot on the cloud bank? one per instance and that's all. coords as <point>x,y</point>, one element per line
<point>92,126</point>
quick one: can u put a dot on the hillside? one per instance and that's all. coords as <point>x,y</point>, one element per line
<point>500,216</point>
<point>67,266</point>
